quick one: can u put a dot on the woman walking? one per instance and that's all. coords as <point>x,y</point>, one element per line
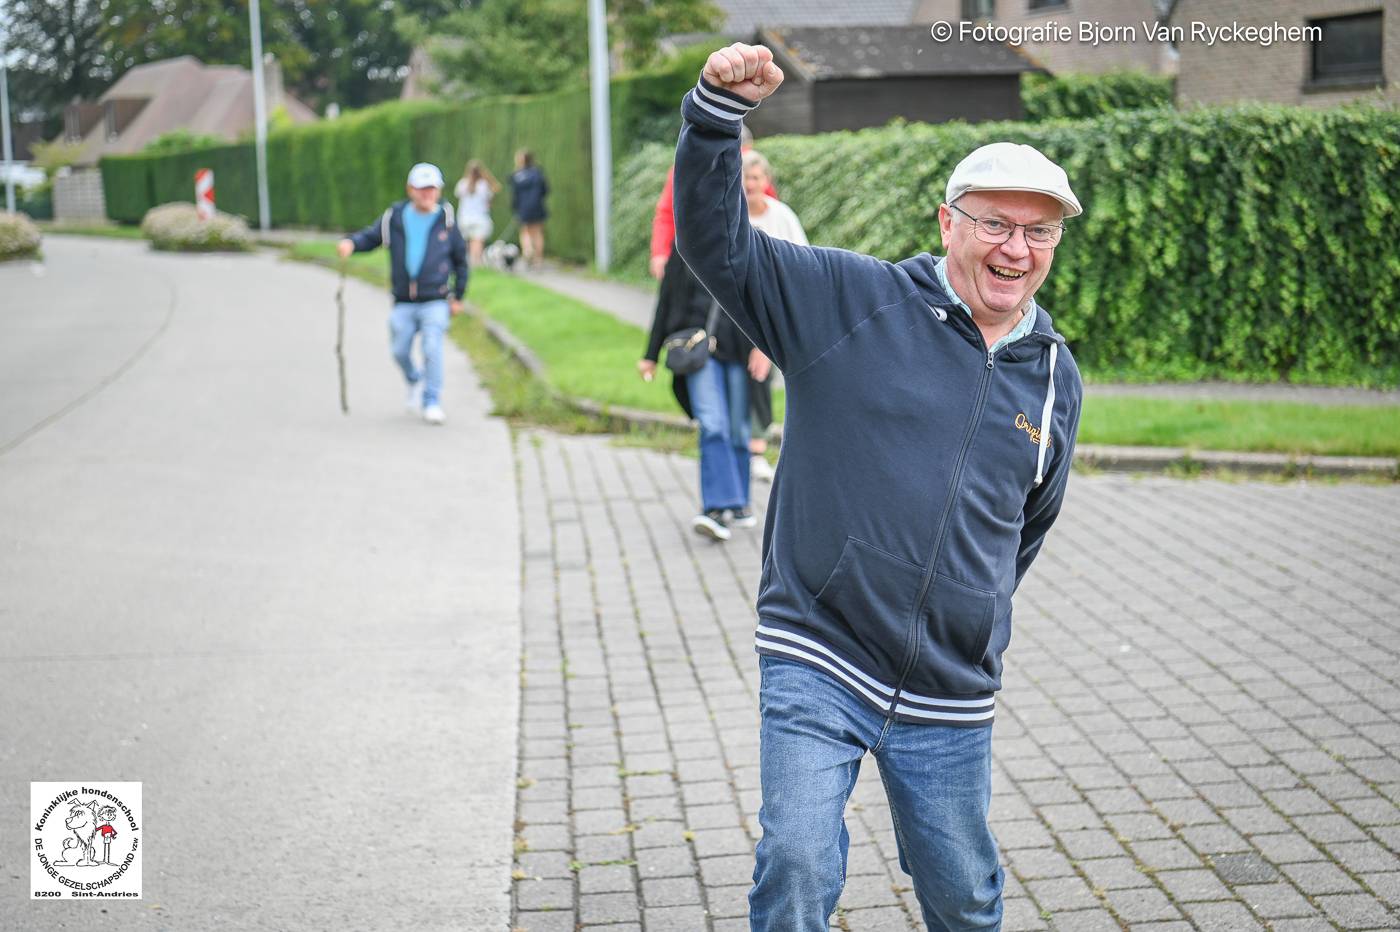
<point>717,396</point>
<point>528,190</point>
<point>775,218</point>
<point>474,191</point>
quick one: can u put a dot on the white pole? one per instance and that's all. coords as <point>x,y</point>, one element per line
<point>602,133</point>
<point>259,113</point>
<point>5,119</point>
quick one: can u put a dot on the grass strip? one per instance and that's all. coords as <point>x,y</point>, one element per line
<point>1252,426</point>
<point>589,353</point>
<point>70,228</point>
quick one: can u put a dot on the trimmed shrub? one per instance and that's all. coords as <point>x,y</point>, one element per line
<point>1081,96</point>
<point>177,227</point>
<point>19,237</point>
<point>1251,243</point>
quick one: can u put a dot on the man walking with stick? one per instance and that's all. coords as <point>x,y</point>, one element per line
<point>428,267</point>
<point>931,419</point>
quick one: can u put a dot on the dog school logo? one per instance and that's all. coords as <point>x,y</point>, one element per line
<point>87,840</point>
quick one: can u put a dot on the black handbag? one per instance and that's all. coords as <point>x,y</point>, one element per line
<point>688,350</point>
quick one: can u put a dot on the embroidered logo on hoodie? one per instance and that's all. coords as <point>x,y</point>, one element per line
<point>1023,423</point>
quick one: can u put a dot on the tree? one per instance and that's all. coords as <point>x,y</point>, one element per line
<point>507,46</point>
<point>527,46</point>
<point>58,52</point>
<point>639,25</point>
<point>346,51</point>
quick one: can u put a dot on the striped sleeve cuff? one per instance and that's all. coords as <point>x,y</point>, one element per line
<point>724,106</point>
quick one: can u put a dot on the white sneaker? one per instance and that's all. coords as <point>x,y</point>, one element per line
<point>759,468</point>
<point>414,401</point>
<point>710,524</point>
<point>433,414</point>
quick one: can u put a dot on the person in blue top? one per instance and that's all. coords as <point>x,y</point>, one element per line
<point>528,187</point>
<point>428,272</point>
<point>932,411</point>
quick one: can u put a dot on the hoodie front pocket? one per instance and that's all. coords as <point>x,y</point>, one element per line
<point>957,630</point>
<point>863,608</point>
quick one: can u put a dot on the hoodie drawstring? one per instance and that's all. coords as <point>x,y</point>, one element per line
<point>1045,414</point>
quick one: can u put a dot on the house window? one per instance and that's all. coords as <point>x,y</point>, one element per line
<point>1035,6</point>
<point>1349,51</point>
<point>978,10</point>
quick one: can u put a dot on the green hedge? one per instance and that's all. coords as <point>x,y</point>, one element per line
<point>340,174</point>
<point>1081,96</point>
<point>1248,243</point>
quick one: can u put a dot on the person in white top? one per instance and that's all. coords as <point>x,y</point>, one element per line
<point>474,191</point>
<point>776,219</point>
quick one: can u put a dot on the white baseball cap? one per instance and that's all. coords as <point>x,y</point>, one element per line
<point>424,175</point>
<point>1008,166</point>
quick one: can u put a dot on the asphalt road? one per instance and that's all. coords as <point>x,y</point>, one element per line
<point>298,630</point>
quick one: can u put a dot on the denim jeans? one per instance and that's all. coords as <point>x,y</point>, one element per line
<point>719,396</point>
<point>938,779</point>
<point>430,319</point>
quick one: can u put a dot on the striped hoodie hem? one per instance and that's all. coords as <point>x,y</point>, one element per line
<point>963,712</point>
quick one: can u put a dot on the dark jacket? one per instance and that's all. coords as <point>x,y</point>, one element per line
<point>527,190</point>
<point>444,262</point>
<point>682,302</point>
<point>919,474</point>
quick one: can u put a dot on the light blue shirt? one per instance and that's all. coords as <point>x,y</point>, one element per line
<point>416,227</point>
<point>1023,327</point>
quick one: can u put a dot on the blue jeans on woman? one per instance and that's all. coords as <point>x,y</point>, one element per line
<point>719,398</point>
<point>430,318</point>
<point>938,779</point>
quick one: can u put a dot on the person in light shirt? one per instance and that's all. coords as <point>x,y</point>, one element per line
<point>775,218</point>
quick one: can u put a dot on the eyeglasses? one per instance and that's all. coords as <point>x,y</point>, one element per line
<point>997,231</point>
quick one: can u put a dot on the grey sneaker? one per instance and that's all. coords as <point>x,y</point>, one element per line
<point>433,414</point>
<point>711,524</point>
<point>414,401</point>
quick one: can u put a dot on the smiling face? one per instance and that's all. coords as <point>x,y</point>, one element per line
<point>997,280</point>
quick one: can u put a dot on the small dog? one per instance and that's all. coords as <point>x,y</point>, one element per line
<point>502,255</point>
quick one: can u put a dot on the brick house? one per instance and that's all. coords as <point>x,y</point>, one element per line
<point>1135,52</point>
<point>1352,50</point>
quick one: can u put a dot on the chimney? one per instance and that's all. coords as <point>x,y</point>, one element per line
<point>272,82</point>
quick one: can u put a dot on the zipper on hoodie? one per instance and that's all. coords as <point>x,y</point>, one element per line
<point>911,644</point>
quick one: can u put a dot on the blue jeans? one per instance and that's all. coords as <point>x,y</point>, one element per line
<point>430,319</point>
<point>719,397</point>
<point>938,779</point>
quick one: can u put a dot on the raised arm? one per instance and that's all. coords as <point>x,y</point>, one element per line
<point>794,302</point>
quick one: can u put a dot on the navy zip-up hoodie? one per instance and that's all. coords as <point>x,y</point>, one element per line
<point>444,269</point>
<point>919,473</point>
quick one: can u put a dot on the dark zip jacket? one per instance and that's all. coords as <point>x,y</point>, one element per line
<point>919,473</point>
<point>444,260</point>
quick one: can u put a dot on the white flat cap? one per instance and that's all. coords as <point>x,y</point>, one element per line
<point>1008,166</point>
<point>427,175</point>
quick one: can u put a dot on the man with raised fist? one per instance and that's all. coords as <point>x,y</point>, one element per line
<point>931,417</point>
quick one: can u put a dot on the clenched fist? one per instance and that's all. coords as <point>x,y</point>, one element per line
<point>746,70</point>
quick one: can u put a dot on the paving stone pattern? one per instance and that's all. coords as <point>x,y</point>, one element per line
<point>1200,727</point>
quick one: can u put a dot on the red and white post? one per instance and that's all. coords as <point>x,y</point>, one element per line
<point>204,193</point>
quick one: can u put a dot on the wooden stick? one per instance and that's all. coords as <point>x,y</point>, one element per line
<point>340,337</point>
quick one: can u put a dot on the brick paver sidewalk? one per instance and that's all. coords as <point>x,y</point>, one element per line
<point>1200,727</point>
